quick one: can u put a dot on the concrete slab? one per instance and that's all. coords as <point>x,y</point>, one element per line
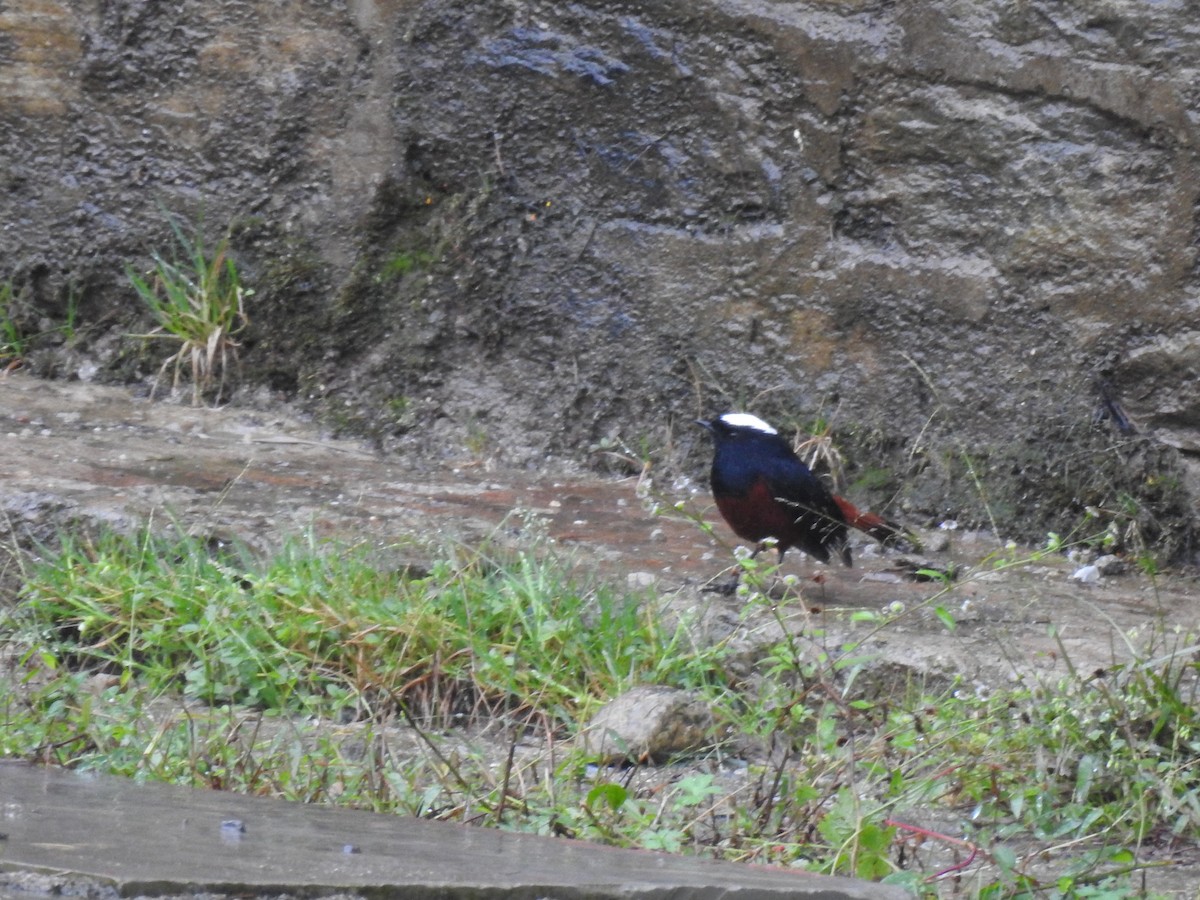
<point>117,837</point>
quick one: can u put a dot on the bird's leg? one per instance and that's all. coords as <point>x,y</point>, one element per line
<point>731,586</point>
<point>725,588</point>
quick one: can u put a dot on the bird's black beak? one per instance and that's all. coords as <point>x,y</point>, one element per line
<point>705,423</point>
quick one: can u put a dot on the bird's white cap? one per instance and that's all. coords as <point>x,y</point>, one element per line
<point>745,420</point>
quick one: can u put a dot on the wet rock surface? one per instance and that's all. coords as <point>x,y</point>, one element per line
<point>159,840</point>
<point>79,456</point>
<point>956,232</point>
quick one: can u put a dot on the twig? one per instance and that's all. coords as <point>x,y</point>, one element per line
<point>937,835</point>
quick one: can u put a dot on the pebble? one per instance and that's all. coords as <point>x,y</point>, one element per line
<point>641,579</point>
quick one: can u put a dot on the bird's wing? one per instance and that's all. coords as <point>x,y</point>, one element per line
<point>794,484</point>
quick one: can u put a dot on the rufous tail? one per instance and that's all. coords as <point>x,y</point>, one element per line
<point>887,533</point>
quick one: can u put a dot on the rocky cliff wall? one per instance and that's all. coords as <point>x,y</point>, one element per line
<point>963,235</point>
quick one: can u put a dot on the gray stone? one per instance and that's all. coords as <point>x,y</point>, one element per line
<point>103,837</point>
<point>648,723</point>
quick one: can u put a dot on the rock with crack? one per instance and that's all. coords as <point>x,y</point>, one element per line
<point>648,724</point>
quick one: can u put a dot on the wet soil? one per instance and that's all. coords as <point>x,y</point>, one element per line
<point>75,455</point>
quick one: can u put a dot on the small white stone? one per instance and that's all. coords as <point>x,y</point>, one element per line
<point>641,579</point>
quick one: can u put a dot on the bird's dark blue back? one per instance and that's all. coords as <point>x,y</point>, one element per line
<point>742,461</point>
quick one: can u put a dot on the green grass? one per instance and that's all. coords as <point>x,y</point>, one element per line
<point>318,630</point>
<point>402,262</point>
<point>158,657</point>
<point>197,301</point>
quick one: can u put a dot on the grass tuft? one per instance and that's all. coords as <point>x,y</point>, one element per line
<point>197,300</point>
<point>323,630</point>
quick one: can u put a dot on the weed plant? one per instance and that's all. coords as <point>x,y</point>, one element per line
<point>16,337</point>
<point>197,300</point>
<point>156,658</point>
<point>12,338</point>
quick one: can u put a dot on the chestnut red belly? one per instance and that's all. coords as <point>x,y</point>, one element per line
<point>757,515</point>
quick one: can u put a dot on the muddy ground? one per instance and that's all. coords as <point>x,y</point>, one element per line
<point>75,455</point>
<point>79,455</point>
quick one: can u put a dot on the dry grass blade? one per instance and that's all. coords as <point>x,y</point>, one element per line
<point>822,455</point>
